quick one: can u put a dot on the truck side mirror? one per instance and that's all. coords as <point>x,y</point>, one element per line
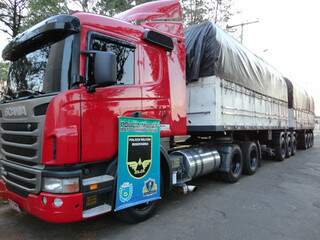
<point>105,68</point>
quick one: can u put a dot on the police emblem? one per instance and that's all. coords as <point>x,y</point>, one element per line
<point>125,192</point>
<point>139,155</point>
<point>150,187</point>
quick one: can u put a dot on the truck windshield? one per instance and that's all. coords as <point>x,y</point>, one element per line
<point>45,70</point>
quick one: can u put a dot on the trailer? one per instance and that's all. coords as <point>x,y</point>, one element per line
<point>110,114</point>
<point>301,115</point>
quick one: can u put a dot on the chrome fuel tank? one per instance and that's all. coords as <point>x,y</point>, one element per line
<point>198,161</point>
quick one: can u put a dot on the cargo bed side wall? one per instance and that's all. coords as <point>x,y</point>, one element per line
<point>215,104</point>
<point>302,119</point>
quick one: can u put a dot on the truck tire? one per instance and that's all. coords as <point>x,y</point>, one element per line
<point>312,139</point>
<point>308,140</point>
<point>304,141</point>
<point>137,213</point>
<point>250,155</point>
<point>294,145</point>
<point>289,145</point>
<point>280,146</point>
<point>236,166</point>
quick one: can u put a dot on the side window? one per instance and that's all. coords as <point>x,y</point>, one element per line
<point>124,54</point>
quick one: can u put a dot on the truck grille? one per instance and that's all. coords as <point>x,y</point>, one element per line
<point>19,142</point>
<point>25,179</point>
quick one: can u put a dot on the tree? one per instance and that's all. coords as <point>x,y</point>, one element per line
<point>3,70</point>
<point>3,76</point>
<point>85,5</point>
<point>112,7</point>
<point>39,10</point>
<point>218,11</point>
<point>12,13</point>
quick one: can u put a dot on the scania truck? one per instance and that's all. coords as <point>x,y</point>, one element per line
<point>219,107</point>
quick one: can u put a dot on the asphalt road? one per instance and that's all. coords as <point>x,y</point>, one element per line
<point>282,201</point>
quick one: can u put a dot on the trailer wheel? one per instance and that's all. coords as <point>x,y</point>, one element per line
<point>137,213</point>
<point>289,145</point>
<point>305,141</point>
<point>236,166</point>
<point>312,139</point>
<point>250,157</point>
<point>280,146</point>
<point>308,140</point>
<point>293,145</point>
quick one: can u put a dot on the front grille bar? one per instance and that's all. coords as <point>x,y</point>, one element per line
<point>23,158</point>
<point>34,133</point>
<point>7,169</point>
<point>14,144</point>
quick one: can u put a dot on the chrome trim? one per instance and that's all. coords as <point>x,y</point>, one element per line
<point>98,179</point>
<point>96,211</point>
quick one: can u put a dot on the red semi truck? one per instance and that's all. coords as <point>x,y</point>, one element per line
<point>220,108</point>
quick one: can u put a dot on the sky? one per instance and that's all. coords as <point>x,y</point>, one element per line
<point>287,36</point>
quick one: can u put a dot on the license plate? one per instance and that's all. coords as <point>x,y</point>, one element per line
<point>13,205</point>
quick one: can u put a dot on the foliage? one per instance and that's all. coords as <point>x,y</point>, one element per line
<point>3,70</point>
<point>12,13</point>
<point>218,11</point>
<point>39,10</point>
<point>112,7</point>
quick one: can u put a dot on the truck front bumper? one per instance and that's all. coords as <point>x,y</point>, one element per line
<point>94,198</point>
<point>42,206</point>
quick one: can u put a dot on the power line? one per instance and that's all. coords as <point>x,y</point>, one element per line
<point>242,25</point>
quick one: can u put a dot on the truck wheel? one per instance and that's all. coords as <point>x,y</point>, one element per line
<point>289,145</point>
<point>312,139</point>
<point>280,146</point>
<point>308,140</point>
<point>294,145</point>
<point>250,157</point>
<point>137,213</point>
<point>236,166</point>
<point>305,141</point>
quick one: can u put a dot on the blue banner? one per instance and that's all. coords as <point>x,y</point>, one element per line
<point>138,178</point>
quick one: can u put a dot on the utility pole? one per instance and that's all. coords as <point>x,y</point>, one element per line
<point>242,25</point>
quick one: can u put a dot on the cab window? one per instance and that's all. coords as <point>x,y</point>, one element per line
<point>124,54</point>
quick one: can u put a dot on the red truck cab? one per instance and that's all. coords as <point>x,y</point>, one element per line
<point>57,141</point>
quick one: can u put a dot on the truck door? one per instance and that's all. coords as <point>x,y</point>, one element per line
<point>100,110</point>
<point>155,85</point>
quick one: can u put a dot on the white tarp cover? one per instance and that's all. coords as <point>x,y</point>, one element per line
<point>298,98</point>
<point>211,51</point>
<point>302,101</point>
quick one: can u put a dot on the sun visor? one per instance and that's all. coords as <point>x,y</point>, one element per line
<point>48,31</point>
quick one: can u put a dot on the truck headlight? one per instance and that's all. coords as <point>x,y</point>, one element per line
<point>57,185</point>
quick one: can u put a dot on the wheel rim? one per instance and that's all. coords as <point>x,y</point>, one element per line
<point>236,165</point>
<point>283,148</point>
<point>306,140</point>
<point>294,145</point>
<point>289,146</point>
<point>253,160</point>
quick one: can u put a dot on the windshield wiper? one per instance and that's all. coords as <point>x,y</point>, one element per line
<point>28,93</point>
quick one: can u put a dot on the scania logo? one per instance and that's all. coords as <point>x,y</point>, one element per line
<point>18,111</point>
